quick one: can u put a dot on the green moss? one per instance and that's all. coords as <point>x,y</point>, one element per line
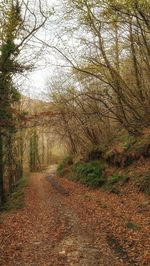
<point>132,225</point>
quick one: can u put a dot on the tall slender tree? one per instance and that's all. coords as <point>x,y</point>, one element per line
<point>14,34</point>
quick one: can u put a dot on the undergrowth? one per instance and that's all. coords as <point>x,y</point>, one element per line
<point>90,173</point>
<point>117,178</point>
<point>62,166</point>
<point>114,182</point>
<point>119,157</point>
<point>16,199</point>
<point>144,184</point>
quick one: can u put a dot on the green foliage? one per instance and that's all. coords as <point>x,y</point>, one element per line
<point>16,199</point>
<point>113,182</point>
<point>24,114</point>
<point>115,178</point>
<point>16,96</point>
<point>90,173</point>
<point>132,225</point>
<point>7,49</point>
<point>9,66</point>
<point>61,167</point>
<point>128,140</point>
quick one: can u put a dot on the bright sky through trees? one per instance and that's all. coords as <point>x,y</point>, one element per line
<point>34,83</point>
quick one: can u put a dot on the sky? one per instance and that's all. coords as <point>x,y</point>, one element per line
<point>35,83</point>
<point>51,64</point>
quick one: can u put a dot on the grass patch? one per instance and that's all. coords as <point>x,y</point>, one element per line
<point>114,182</point>
<point>61,167</point>
<point>117,178</point>
<point>132,225</point>
<point>90,174</point>
<point>128,141</point>
<point>16,199</point>
<point>114,179</point>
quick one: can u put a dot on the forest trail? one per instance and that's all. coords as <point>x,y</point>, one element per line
<point>54,229</point>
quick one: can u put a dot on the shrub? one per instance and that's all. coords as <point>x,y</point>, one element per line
<point>117,178</point>
<point>61,167</point>
<point>16,199</point>
<point>90,173</point>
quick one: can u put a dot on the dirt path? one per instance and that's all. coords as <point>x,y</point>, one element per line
<point>49,230</point>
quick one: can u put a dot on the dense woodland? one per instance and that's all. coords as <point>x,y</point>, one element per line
<point>109,89</point>
<point>104,91</point>
<point>75,155</point>
<point>16,32</point>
